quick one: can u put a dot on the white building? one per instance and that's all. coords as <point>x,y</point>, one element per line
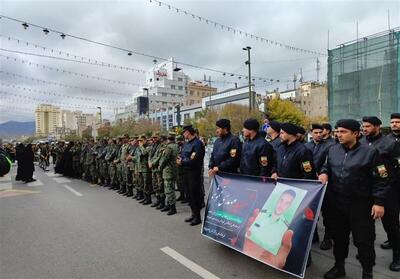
<point>237,95</point>
<point>166,87</point>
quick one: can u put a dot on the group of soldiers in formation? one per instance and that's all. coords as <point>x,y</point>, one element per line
<point>359,166</point>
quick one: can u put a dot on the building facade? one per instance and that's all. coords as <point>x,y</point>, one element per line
<point>47,119</point>
<point>196,91</point>
<point>364,77</point>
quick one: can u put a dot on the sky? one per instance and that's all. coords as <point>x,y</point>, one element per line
<point>28,78</point>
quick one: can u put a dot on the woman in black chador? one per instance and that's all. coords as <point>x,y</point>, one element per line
<point>19,150</point>
<point>67,158</point>
<point>28,166</point>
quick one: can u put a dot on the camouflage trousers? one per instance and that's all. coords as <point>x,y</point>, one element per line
<point>158,184</point>
<point>112,171</point>
<point>169,188</point>
<point>77,168</point>
<point>144,182</point>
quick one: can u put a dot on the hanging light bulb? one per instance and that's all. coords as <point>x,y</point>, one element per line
<point>63,36</point>
<point>130,53</point>
<point>25,25</point>
<point>46,31</point>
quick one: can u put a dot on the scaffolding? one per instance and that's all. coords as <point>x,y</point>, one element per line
<point>363,77</point>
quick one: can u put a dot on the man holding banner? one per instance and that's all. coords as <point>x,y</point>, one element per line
<point>358,184</point>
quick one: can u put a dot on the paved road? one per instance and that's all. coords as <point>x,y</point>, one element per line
<point>64,228</point>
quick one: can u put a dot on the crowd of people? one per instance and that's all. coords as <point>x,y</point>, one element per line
<point>358,164</point>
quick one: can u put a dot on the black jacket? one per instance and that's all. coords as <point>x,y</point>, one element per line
<point>257,157</point>
<point>319,151</point>
<point>356,173</point>
<point>295,161</point>
<point>192,155</point>
<point>226,154</point>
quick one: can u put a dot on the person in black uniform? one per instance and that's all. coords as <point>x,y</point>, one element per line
<point>273,132</point>
<point>191,160</point>
<point>327,133</point>
<point>294,160</point>
<point>257,156</point>
<point>226,152</point>
<point>389,150</point>
<point>319,147</point>
<point>358,183</point>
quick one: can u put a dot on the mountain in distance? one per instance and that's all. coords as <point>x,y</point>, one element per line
<point>14,128</point>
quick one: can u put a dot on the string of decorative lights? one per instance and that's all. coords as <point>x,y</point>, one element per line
<point>81,59</point>
<point>63,84</point>
<point>236,31</point>
<point>60,95</point>
<point>55,102</point>
<point>129,52</point>
<point>30,63</point>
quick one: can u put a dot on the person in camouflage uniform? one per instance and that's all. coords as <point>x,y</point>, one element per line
<point>76,160</point>
<point>112,168</point>
<point>101,154</point>
<point>169,170</point>
<point>123,171</point>
<point>90,162</point>
<point>59,150</point>
<point>181,187</point>
<point>157,182</point>
<point>131,166</point>
<point>144,171</point>
<point>105,165</point>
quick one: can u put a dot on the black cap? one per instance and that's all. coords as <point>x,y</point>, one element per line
<point>372,119</point>
<point>290,128</point>
<point>395,115</point>
<point>301,130</point>
<point>223,123</point>
<point>349,124</point>
<point>315,126</point>
<point>327,126</point>
<point>251,124</point>
<point>188,128</point>
<point>275,125</point>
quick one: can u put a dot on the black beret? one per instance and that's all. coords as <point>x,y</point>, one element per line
<point>316,126</point>
<point>301,130</point>
<point>188,128</point>
<point>251,124</point>
<point>372,119</point>
<point>275,125</point>
<point>395,115</point>
<point>349,124</point>
<point>223,123</point>
<point>327,126</point>
<point>290,128</point>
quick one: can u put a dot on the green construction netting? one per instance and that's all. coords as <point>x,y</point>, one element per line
<point>363,78</point>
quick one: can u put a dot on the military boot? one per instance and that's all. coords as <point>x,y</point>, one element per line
<point>147,199</point>
<point>140,196</point>
<point>156,203</point>
<point>162,204</point>
<point>367,274</point>
<point>336,272</point>
<point>130,191</point>
<point>395,265</point>
<point>122,189</point>
<point>165,208</point>
<point>135,195</point>
<point>172,210</point>
<point>196,220</point>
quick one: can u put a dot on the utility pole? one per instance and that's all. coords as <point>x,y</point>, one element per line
<point>101,116</point>
<point>148,103</point>
<point>249,65</point>
<point>294,81</point>
<point>318,69</point>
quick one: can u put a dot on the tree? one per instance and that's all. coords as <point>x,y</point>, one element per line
<point>285,111</point>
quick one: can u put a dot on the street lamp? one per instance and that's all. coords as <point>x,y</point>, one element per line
<point>148,103</point>
<point>248,64</point>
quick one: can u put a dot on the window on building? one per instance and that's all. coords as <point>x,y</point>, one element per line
<point>151,80</point>
<point>180,87</point>
<point>173,86</point>
<point>180,79</point>
<point>191,92</point>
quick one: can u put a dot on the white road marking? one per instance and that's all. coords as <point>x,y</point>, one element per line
<point>72,190</point>
<point>52,174</point>
<point>188,263</point>
<point>61,180</point>
<point>35,183</point>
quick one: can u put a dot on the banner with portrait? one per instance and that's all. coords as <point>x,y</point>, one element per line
<point>272,221</point>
